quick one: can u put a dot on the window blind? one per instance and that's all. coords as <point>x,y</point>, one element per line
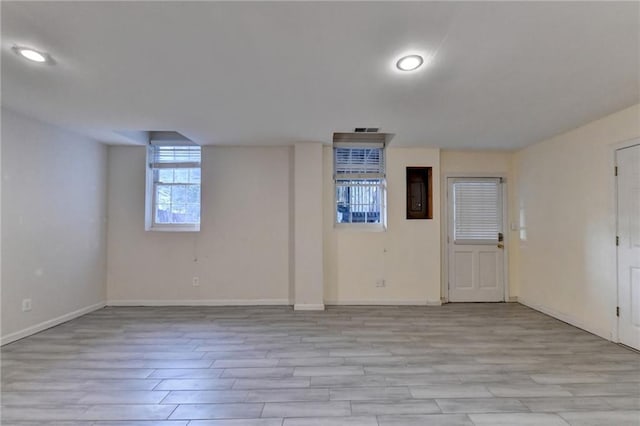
<point>477,210</point>
<point>358,162</point>
<point>174,156</point>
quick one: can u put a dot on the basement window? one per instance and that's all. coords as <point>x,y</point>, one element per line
<point>360,186</point>
<point>173,188</point>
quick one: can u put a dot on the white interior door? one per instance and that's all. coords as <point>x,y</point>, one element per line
<point>628,162</point>
<point>475,242</point>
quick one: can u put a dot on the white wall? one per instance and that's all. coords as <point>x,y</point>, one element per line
<point>565,196</point>
<point>406,255</point>
<point>241,253</point>
<point>486,163</point>
<point>53,224</point>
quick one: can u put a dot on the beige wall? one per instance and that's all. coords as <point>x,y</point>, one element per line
<point>58,251</point>
<point>241,254</point>
<point>565,197</point>
<point>406,256</point>
<point>307,248</point>
<point>485,163</point>
<point>481,162</point>
<point>53,225</point>
<point>243,257</point>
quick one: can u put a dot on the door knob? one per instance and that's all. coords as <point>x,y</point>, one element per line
<point>500,245</point>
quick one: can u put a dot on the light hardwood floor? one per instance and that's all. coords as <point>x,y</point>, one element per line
<point>459,364</point>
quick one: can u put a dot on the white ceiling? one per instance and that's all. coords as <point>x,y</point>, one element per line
<point>504,74</point>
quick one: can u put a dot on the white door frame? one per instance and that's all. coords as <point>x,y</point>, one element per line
<point>615,333</point>
<point>445,229</point>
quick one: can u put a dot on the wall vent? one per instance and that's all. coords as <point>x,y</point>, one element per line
<point>366,129</point>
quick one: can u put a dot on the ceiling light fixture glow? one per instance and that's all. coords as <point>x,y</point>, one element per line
<point>31,54</point>
<point>409,63</point>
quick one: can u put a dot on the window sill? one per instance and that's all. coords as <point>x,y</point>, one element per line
<point>174,228</point>
<point>360,227</point>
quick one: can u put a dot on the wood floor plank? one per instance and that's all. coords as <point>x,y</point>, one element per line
<point>362,366</point>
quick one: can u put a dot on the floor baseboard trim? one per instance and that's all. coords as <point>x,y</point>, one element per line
<point>9,338</point>
<point>308,307</point>
<point>199,302</point>
<point>384,302</point>
<point>564,318</point>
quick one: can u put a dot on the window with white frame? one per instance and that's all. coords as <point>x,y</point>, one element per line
<point>173,188</point>
<point>360,187</point>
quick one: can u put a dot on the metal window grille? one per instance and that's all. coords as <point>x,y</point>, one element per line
<point>359,173</point>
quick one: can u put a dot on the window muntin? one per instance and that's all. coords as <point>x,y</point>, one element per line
<point>359,174</point>
<point>175,185</point>
<point>176,196</point>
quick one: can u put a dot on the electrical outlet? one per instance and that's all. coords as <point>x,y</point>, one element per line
<point>26,305</point>
<point>381,283</point>
<point>196,281</point>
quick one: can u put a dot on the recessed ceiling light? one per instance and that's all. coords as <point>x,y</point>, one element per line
<point>410,62</point>
<point>31,54</point>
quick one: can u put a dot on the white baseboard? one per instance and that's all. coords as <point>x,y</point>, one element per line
<point>513,299</point>
<point>49,323</point>
<point>605,334</point>
<point>197,302</point>
<point>308,307</point>
<point>392,302</point>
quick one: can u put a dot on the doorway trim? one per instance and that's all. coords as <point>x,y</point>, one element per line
<point>444,231</point>
<point>614,148</point>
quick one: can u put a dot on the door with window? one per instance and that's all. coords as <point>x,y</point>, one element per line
<point>628,189</point>
<point>475,240</point>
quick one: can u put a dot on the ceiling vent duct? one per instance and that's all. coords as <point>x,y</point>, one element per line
<point>169,138</point>
<point>367,129</point>
<point>362,137</point>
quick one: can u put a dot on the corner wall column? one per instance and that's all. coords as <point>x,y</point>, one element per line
<point>307,215</point>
